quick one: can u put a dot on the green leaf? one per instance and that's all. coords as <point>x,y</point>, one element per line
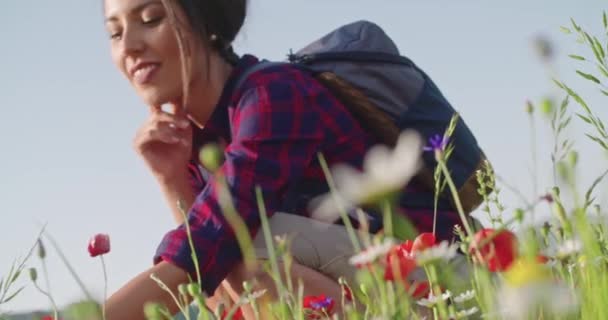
<point>12,295</point>
<point>603,70</point>
<point>605,20</point>
<point>598,140</point>
<point>584,118</point>
<point>574,25</point>
<point>599,48</point>
<point>573,56</point>
<point>564,124</point>
<point>588,76</point>
<point>593,48</point>
<point>565,30</point>
<point>15,277</point>
<point>593,185</point>
<point>604,92</point>
<point>574,96</point>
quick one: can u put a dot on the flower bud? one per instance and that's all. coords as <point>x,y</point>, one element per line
<point>519,215</point>
<point>194,289</point>
<point>33,274</point>
<point>546,106</point>
<point>529,107</point>
<point>153,311</point>
<point>572,158</point>
<point>183,289</point>
<point>41,250</point>
<point>211,157</point>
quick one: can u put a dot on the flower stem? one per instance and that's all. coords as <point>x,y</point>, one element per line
<point>48,288</point>
<point>388,218</point>
<point>105,287</point>
<point>454,192</point>
<point>342,211</point>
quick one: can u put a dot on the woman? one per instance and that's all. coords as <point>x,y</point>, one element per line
<point>273,126</point>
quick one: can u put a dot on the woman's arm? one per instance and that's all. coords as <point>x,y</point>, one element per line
<point>178,189</point>
<point>129,301</point>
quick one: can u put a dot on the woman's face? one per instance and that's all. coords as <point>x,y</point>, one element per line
<point>145,49</point>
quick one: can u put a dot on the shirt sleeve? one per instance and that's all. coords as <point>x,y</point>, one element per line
<point>276,133</point>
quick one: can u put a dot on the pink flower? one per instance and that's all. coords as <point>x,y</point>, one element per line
<point>99,244</point>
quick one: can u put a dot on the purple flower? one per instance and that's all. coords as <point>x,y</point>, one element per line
<point>436,143</point>
<point>323,303</point>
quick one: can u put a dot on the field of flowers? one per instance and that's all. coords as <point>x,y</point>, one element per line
<point>504,270</point>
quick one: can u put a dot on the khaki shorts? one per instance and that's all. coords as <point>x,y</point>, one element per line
<point>327,248</point>
<point>320,246</point>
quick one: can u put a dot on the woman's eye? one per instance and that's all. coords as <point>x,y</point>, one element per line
<point>115,35</point>
<point>152,21</point>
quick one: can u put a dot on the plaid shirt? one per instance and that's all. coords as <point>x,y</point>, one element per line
<point>274,125</point>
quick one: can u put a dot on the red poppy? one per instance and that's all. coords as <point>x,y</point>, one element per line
<point>399,264</point>
<point>238,315</point>
<point>423,241</point>
<point>319,305</point>
<point>99,244</point>
<point>48,318</point>
<point>498,248</point>
<point>542,259</point>
<point>348,294</point>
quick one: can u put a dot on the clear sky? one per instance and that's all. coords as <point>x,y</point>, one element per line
<point>68,117</point>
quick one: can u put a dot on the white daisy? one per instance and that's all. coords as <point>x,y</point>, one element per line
<point>568,248</point>
<point>522,302</point>
<point>464,313</point>
<point>465,296</point>
<point>442,251</point>
<point>433,300</point>
<point>372,253</point>
<point>384,171</point>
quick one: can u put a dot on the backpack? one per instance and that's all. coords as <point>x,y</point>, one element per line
<point>387,93</point>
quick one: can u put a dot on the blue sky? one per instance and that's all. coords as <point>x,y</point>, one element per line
<point>69,117</point>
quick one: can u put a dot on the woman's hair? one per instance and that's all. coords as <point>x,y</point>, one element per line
<point>215,22</point>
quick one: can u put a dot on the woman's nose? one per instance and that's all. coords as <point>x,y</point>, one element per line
<point>132,42</point>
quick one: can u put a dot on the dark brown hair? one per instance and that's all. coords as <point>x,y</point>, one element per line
<point>215,22</point>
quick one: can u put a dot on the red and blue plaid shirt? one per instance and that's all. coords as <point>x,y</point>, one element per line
<point>274,125</point>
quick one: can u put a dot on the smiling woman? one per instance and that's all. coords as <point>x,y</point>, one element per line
<point>273,122</point>
<point>179,53</point>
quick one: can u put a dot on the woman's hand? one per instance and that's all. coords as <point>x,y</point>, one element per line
<point>165,143</point>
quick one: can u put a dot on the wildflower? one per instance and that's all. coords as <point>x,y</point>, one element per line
<point>347,293</point>
<point>318,305</point>
<point>370,254</point>
<point>498,249</point>
<point>568,248</point>
<point>399,263</point>
<point>548,198</point>
<point>525,271</point>
<point>436,143</point>
<point>465,296</point>
<point>464,313</point>
<point>99,244</point>
<point>442,251</point>
<point>384,171</point>
<point>554,299</point>
<point>237,315</point>
<point>432,300</point>
<point>253,296</point>
<point>423,241</point>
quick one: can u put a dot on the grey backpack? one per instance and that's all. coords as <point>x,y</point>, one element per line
<point>387,93</point>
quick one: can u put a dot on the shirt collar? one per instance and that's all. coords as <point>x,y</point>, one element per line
<point>218,125</point>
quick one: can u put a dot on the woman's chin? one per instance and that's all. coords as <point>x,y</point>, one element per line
<point>155,97</point>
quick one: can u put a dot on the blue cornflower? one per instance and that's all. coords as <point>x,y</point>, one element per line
<point>437,143</point>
